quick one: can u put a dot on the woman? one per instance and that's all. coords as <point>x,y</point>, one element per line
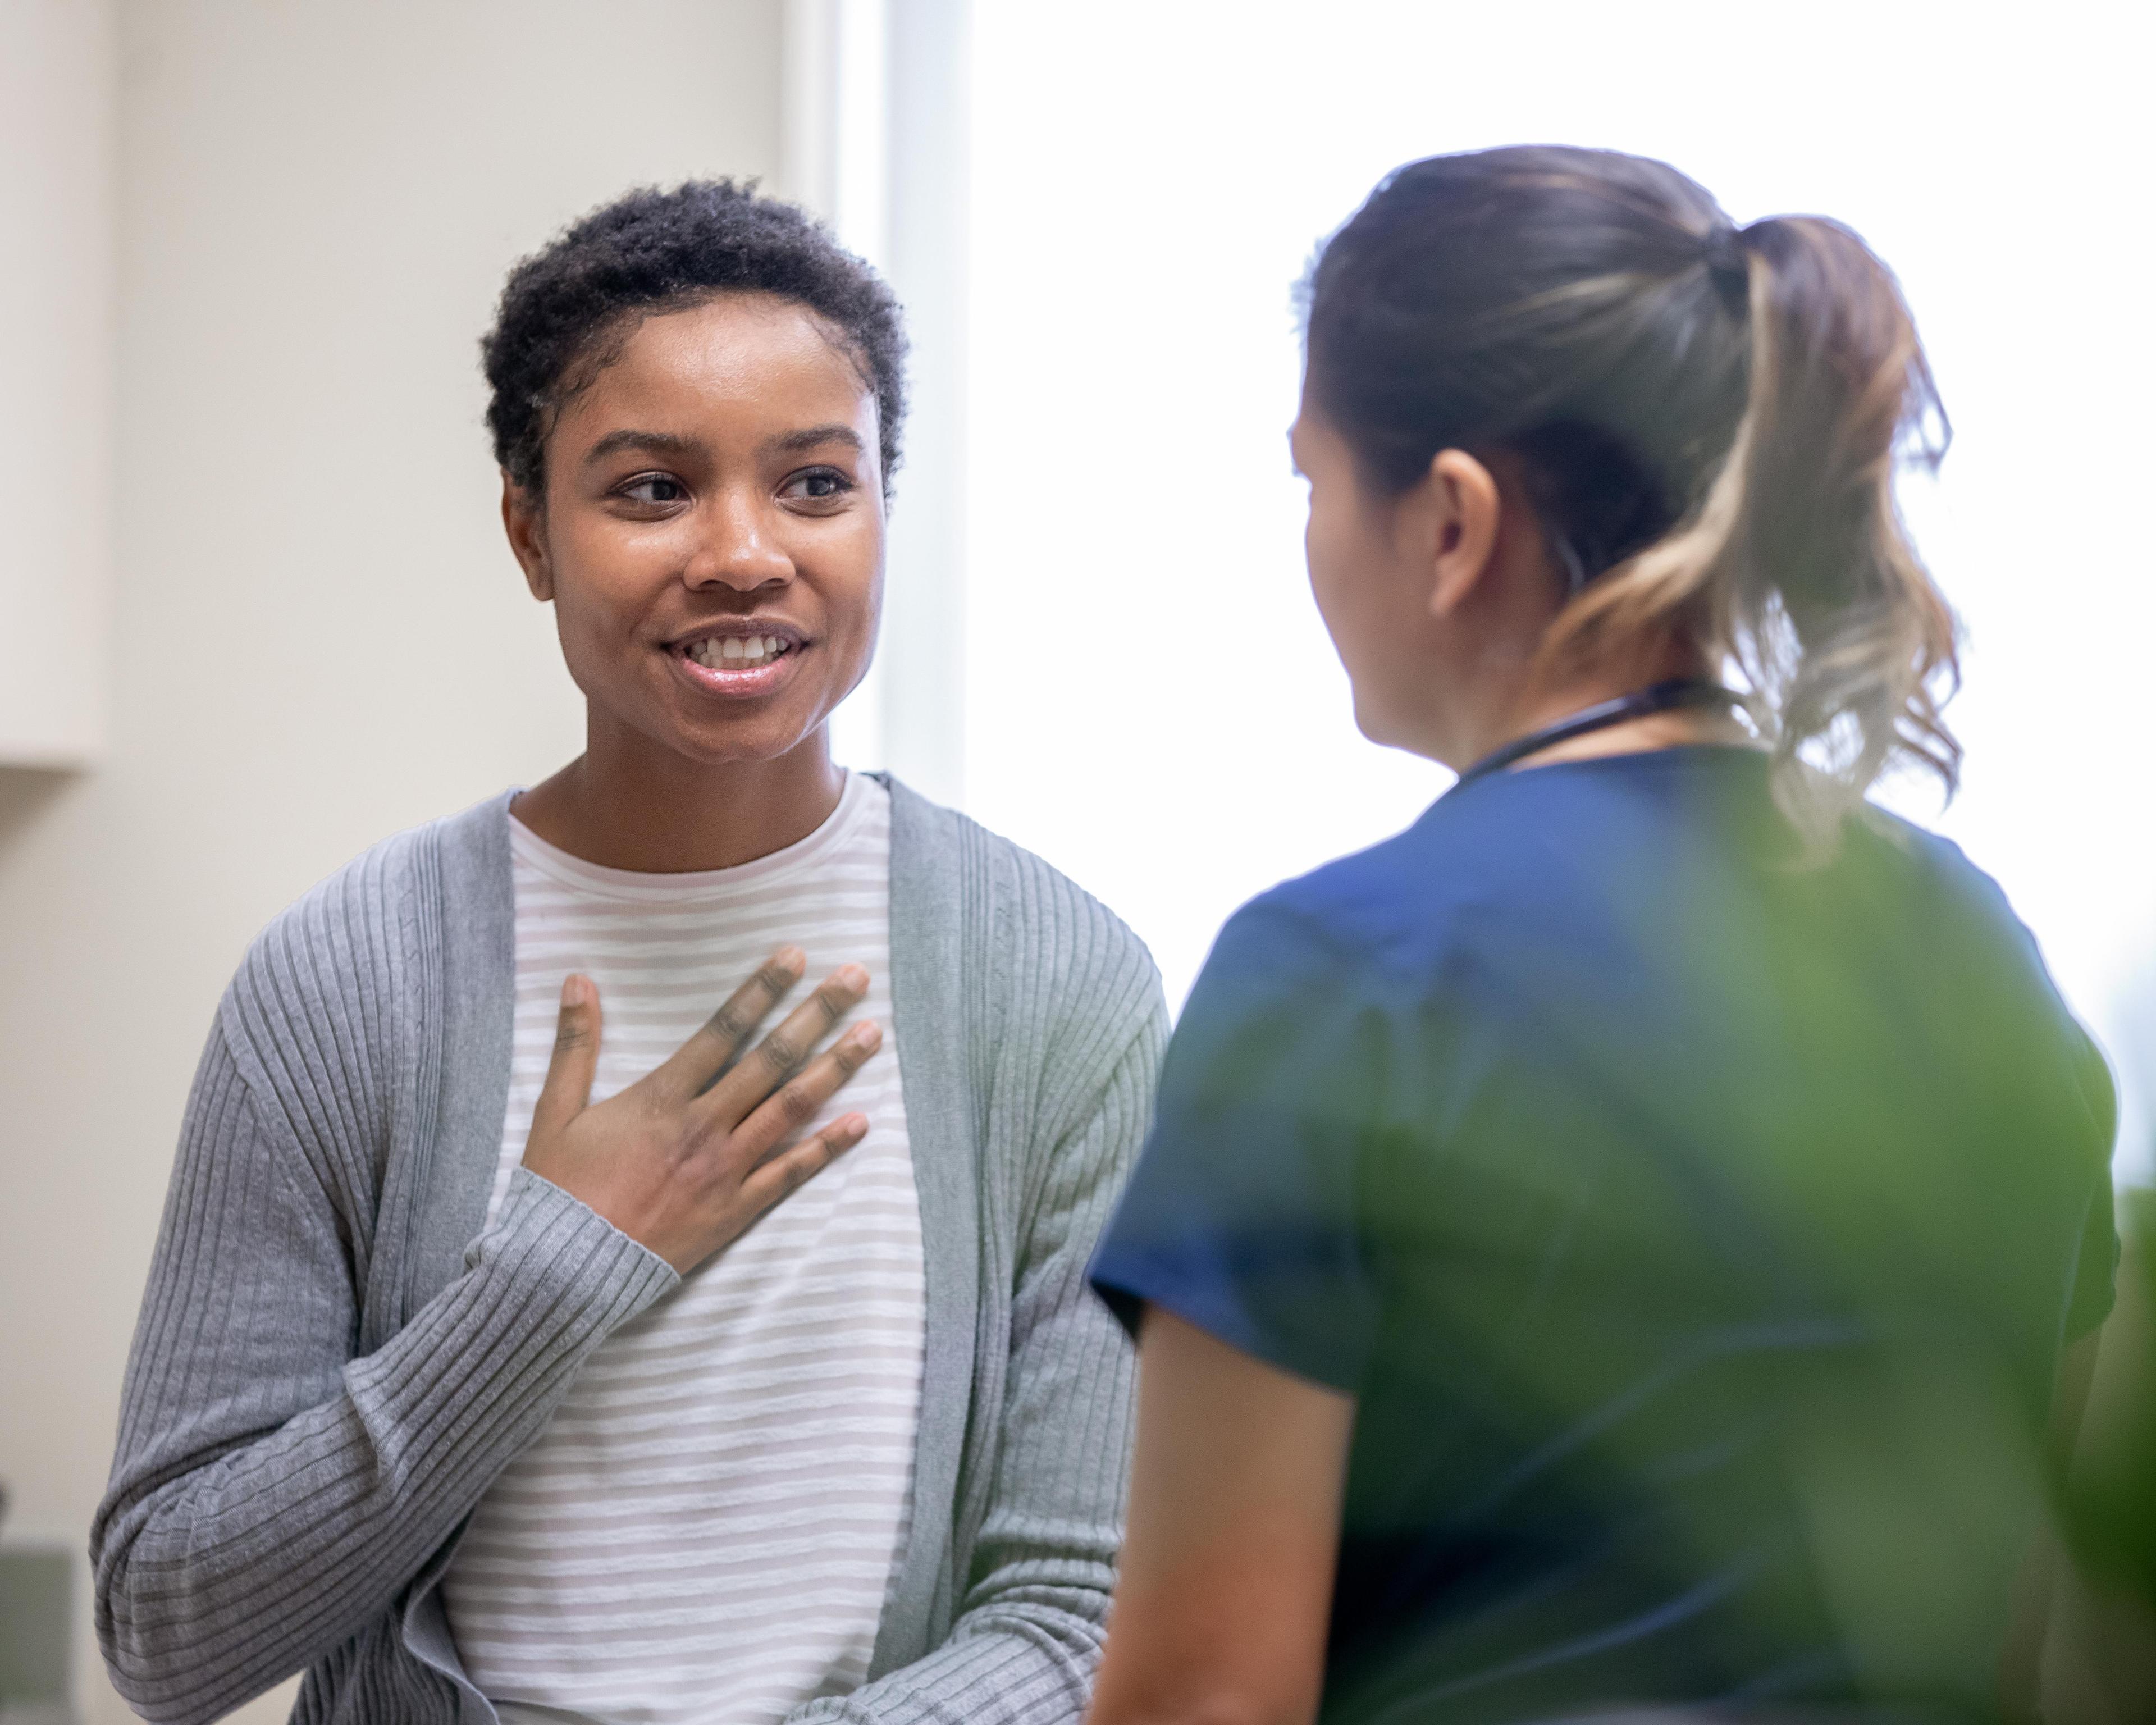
<point>1612,1245</point>
<point>501,1359</point>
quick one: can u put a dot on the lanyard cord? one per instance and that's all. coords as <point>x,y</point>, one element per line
<point>1656,698</point>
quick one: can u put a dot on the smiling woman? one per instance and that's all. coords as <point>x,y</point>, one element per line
<point>708,524</point>
<point>499,1363</point>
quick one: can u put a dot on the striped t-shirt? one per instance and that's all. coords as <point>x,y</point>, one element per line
<point>706,1528</point>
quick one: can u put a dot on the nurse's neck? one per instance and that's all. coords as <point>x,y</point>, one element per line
<point>1535,710</point>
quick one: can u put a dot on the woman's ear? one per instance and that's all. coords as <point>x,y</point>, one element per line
<point>1464,506</point>
<point>524,519</point>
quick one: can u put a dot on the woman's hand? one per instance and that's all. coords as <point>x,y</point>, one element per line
<point>682,1169</point>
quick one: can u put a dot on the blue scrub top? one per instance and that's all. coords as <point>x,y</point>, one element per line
<point>1698,1229</point>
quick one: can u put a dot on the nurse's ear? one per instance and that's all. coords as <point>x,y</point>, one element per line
<point>524,519</point>
<point>1459,507</point>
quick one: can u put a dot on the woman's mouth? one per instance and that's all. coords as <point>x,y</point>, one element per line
<point>737,652</point>
<point>739,665</point>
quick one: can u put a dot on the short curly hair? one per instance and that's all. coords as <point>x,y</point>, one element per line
<point>565,309</point>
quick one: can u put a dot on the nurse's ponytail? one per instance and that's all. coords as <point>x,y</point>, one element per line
<point>1710,420</point>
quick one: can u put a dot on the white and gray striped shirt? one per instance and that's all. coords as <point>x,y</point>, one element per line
<point>706,1529</point>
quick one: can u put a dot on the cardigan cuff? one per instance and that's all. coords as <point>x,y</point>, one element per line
<point>537,1218</point>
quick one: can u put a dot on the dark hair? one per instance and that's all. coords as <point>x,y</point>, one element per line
<point>1708,419</point>
<point>565,308</point>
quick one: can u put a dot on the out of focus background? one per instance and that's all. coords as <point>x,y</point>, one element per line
<point>255,612</point>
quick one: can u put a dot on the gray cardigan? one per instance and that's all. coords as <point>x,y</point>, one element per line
<point>334,1361</point>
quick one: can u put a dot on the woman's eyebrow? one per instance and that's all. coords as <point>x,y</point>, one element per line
<point>791,442</point>
<point>652,443</point>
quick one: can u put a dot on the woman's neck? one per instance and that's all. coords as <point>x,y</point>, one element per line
<point>1668,729</point>
<point>1672,728</point>
<point>625,804</point>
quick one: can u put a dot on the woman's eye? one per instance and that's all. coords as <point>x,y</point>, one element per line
<point>819,484</point>
<point>654,488</point>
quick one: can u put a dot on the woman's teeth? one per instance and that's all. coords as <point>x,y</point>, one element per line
<point>736,652</point>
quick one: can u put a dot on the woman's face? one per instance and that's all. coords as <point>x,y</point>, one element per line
<point>712,533</point>
<point>1372,590</point>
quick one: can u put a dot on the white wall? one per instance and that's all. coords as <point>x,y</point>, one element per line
<point>318,637</point>
<point>57,134</point>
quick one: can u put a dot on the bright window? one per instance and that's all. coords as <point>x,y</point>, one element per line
<point>1151,700</point>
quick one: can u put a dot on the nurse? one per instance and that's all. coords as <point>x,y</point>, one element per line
<point>1615,1244</point>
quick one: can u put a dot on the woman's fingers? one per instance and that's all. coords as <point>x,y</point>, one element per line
<point>794,1103</point>
<point>568,1090</point>
<point>794,1166</point>
<point>777,1057</point>
<point>684,1174</point>
<point>718,1040</point>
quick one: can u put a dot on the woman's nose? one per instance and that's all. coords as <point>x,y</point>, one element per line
<point>738,553</point>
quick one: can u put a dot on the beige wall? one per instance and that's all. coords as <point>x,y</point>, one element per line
<point>318,638</point>
<point>58,130</point>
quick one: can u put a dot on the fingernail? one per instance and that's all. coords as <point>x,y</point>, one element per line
<point>852,976</point>
<point>868,1036</point>
<point>854,1125</point>
<point>576,990</point>
<point>789,959</point>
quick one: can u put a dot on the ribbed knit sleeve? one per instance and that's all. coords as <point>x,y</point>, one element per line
<point>272,1493</point>
<point>1069,1014</point>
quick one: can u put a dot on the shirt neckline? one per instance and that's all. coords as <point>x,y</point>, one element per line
<point>839,828</point>
<point>1683,753</point>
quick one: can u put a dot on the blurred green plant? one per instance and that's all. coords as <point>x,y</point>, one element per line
<point>2101,1665</point>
